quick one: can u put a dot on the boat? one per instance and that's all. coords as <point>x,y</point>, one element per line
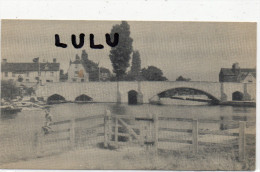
<point>10,109</point>
<point>192,100</point>
<point>170,101</point>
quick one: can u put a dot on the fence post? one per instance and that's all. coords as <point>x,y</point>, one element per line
<point>195,136</point>
<point>72,133</point>
<point>35,143</point>
<point>155,119</point>
<point>242,140</point>
<point>106,129</point>
<point>116,131</point>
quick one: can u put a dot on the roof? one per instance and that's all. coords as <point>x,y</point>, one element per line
<point>76,62</point>
<point>229,71</point>
<point>27,67</point>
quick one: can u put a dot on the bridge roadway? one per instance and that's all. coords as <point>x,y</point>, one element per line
<point>107,91</point>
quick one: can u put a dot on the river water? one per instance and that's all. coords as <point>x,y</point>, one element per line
<point>17,130</point>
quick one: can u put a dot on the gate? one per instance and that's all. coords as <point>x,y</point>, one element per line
<point>127,130</point>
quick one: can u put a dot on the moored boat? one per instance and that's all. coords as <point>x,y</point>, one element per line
<point>9,109</point>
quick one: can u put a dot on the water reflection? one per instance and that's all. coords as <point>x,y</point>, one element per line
<point>118,109</point>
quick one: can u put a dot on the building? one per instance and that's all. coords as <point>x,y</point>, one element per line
<point>104,74</point>
<point>30,72</point>
<point>237,74</point>
<point>76,71</point>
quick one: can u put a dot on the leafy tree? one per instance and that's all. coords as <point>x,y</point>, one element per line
<point>63,77</point>
<point>181,78</point>
<point>84,57</point>
<point>92,68</point>
<point>9,90</point>
<point>153,73</point>
<point>120,54</point>
<point>136,65</point>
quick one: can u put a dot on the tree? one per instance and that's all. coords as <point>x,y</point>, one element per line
<point>181,78</point>
<point>136,65</point>
<point>120,54</point>
<point>63,77</point>
<point>92,68</point>
<point>9,90</point>
<point>153,73</point>
<point>84,57</point>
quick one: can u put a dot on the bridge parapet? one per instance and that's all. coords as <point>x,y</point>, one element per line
<point>107,91</point>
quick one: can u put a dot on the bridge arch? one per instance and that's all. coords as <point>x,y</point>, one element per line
<point>186,91</point>
<point>237,96</point>
<point>83,98</point>
<point>55,98</point>
<point>132,97</point>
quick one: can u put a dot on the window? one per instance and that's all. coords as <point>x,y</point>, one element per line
<point>49,80</point>
<point>76,73</point>
<point>82,80</point>
<point>74,79</point>
<point>27,74</point>
<point>13,74</point>
<point>52,73</point>
<point>6,74</point>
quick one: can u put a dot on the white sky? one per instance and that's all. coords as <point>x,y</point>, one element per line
<point>193,49</point>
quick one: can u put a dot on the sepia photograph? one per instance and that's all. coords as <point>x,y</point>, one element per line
<point>128,95</point>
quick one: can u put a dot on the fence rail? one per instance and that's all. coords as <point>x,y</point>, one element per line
<point>67,132</point>
<point>240,141</point>
<point>146,131</point>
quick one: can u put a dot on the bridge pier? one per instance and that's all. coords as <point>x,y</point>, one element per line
<point>118,97</point>
<point>139,94</point>
<point>223,96</point>
<point>247,96</point>
<point>140,98</point>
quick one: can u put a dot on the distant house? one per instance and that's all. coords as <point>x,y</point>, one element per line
<point>30,72</point>
<point>76,71</point>
<point>237,74</point>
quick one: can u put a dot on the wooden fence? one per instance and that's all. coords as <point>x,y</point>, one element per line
<point>141,127</point>
<point>68,134</point>
<point>150,131</point>
<point>195,132</point>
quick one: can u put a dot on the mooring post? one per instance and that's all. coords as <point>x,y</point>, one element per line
<point>116,131</point>
<point>195,136</point>
<point>155,120</point>
<point>242,140</point>
<point>72,133</point>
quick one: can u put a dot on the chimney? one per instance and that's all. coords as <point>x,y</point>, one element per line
<point>54,60</point>
<point>236,68</point>
<point>4,61</point>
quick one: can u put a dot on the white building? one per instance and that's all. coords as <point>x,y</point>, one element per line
<point>77,72</point>
<point>30,72</point>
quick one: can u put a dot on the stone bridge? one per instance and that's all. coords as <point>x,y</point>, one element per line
<point>146,90</point>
